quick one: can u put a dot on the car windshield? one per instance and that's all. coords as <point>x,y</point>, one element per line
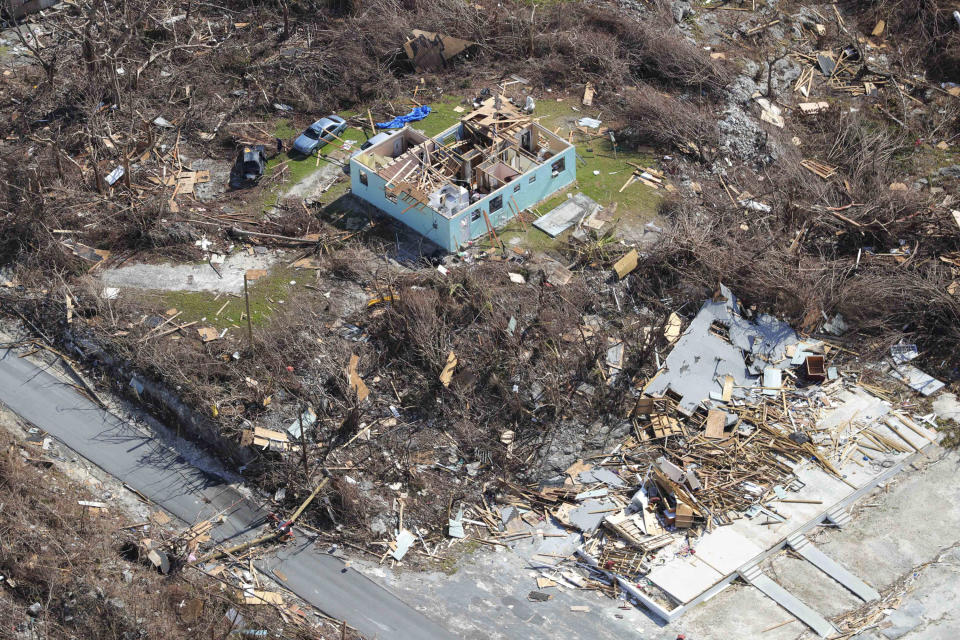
<point>310,133</point>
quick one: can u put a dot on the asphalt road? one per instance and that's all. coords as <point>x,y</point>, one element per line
<point>191,494</point>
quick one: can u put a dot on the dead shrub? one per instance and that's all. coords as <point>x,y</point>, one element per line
<point>825,245</point>
<point>521,350</point>
<point>912,304</point>
<point>651,48</point>
<point>26,220</point>
<point>655,118</point>
<point>417,318</point>
<point>925,29</point>
<point>349,502</point>
<point>351,263</point>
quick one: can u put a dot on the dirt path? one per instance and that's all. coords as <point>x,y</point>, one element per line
<point>317,182</point>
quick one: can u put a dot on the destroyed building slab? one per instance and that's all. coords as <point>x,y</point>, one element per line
<point>719,342</point>
<point>795,458</point>
<point>473,177</point>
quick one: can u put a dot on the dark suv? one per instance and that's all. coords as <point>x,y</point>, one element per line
<point>249,168</point>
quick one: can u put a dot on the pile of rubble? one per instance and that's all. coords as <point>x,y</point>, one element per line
<point>723,432</point>
<point>170,550</point>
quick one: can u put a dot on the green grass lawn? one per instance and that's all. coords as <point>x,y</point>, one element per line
<point>300,168</point>
<point>513,234</point>
<point>598,153</point>
<point>602,177</point>
<point>553,113</point>
<point>284,130</point>
<point>442,115</point>
<point>265,296</point>
<point>637,203</point>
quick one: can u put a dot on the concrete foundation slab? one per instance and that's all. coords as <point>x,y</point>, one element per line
<point>781,596</point>
<point>802,545</point>
<point>226,278</point>
<point>684,578</point>
<point>727,548</point>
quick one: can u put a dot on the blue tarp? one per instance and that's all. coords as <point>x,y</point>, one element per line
<point>417,114</point>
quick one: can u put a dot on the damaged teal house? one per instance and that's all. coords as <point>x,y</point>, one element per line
<point>477,175</point>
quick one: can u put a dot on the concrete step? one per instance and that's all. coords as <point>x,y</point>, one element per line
<point>751,572</point>
<point>808,551</point>
<point>755,576</point>
<point>839,516</point>
<point>797,541</point>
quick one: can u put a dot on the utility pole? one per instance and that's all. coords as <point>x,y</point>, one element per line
<point>246,298</point>
<point>303,447</point>
<point>269,536</point>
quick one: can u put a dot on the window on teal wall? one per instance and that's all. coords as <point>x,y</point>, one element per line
<point>516,188</point>
<point>496,204</point>
<point>532,179</point>
<point>363,178</point>
<point>475,215</point>
<point>559,166</point>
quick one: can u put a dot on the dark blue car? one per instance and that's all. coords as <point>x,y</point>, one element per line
<point>318,134</point>
<point>249,167</point>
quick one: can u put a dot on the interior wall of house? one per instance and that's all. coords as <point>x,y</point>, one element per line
<point>398,144</point>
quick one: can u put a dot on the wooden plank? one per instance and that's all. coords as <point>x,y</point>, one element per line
<point>486,219</point>
<point>263,597</point>
<point>727,388</point>
<point>716,421</point>
<point>625,265</point>
<point>823,170</point>
<point>524,224</point>
<point>910,424</point>
<point>588,93</point>
<point>177,328</point>
<point>356,382</point>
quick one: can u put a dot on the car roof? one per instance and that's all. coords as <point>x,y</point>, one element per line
<point>323,122</point>
<point>377,139</point>
<point>380,137</point>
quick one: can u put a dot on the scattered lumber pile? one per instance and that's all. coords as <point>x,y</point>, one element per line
<point>647,175</point>
<point>825,171</point>
<point>738,451</point>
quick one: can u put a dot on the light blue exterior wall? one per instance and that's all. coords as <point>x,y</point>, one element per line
<point>530,193</point>
<point>421,219</point>
<point>526,190</point>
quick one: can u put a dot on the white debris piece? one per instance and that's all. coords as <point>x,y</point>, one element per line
<point>916,379</point>
<point>404,540</point>
<point>455,528</point>
<point>114,175</point>
<point>753,205</point>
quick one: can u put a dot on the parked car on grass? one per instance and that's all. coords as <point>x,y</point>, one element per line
<point>249,167</point>
<point>318,134</point>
